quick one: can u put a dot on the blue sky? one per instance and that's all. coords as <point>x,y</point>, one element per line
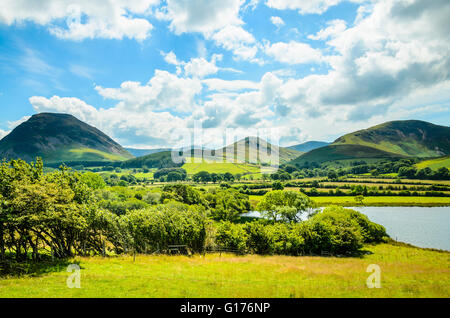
<point>145,71</point>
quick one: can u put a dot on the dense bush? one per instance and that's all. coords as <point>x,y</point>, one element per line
<point>371,232</point>
<point>157,227</point>
<point>170,174</point>
<point>181,193</point>
<point>227,204</point>
<point>335,230</point>
<point>231,236</point>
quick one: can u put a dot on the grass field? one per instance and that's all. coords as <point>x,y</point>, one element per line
<point>384,201</point>
<point>435,164</point>
<point>233,168</point>
<point>405,272</point>
<point>372,201</point>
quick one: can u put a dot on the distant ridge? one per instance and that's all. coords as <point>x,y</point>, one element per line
<point>143,152</point>
<point>252,143</point>
<point>58,138</point>
<point>309,145</point>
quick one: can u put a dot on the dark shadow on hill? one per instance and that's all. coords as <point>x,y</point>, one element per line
<point>10,267</point>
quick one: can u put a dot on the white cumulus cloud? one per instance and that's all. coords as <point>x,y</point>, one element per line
<point>113,19</point>
<point>294,53</point>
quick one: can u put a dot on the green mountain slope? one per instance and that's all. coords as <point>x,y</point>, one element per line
<point>412,138</point>
<point>342,152</point>
<point>395,139</point>
<point>155,160</point>
<point>60,138</point>
<point>247,150</point>
<point>435,164</point>
<point>309,145</point>
<point>143,152</point>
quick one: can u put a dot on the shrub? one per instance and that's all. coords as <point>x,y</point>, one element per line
<point>371,232</point>
<point>335,232</point>
<point>163,225</point>
<point>231,236</point>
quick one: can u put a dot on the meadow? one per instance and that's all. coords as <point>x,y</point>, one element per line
<point>383,201</point>
<point>405,272</point>
<point>349,201</point>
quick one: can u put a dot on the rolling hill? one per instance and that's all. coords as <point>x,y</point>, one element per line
<point>395,139</point>
<point>246,150</point>
<point>309,145</point>
<point>412,138</point>
<point>60,138</point>
<point>342,152</point>
<point>143,152</point>
<point>435,164</point>
<point>155,160</point>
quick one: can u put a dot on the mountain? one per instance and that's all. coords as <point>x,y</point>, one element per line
<point>58,138</point>
<point>309,145</point>
<point>243,148</point>
<point>395,139</point>
<point>412,138</point>
<point>342,152</point>
<point>143,152</point>
<point>155,160</point>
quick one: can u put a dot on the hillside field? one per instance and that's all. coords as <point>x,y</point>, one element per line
<point>435,164</point>
<point>405,272</point>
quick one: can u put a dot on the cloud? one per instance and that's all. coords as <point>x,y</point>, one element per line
<point>335,27</point>
<point>200,67</point>
<point>203,16</point>
<point>216,84</point>
<point>277,21</point>
<point>83,19</point>
<point>305,6</point>
<point>69,105</point>
<point>236,39</point>
<point>14,124</point>
<point>164,91</point>
<point>216,20</point>
<point>197,67</point>
<point>82,71</point>
<point>391,62</point>
<point>294,53</point>
<point>3,133</point>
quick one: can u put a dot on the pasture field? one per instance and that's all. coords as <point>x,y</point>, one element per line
<point>219,167</point>
<point>383,201</point>
<point>372,201</point>
<point>434,164</point>
<point>405,272</point>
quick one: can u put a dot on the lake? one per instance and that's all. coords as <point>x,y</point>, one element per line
<point>419,226</point>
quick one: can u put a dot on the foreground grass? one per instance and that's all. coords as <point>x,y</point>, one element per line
<point>405,272</point>
<point>383,201</point>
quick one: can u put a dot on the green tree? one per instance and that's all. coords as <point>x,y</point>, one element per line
<point>284,205</point>
<point>202,176</point>
<point>277,185</point>
<point>93,180</point>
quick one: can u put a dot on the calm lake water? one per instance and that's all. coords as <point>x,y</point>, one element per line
<point>419,226</point>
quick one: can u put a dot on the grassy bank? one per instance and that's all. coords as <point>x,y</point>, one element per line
<point>405,272</point>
